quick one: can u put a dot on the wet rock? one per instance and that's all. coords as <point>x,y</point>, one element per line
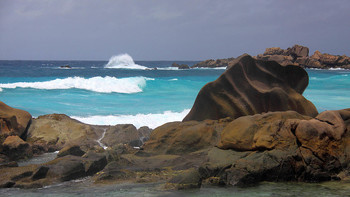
<point>66,168</point>
<point>187,180</point>
<point>252,87</point>
<point>94,162</point>
<point>182,66</point>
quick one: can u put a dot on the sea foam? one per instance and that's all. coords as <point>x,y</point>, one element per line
<point>123,61</point>
<point>97,84</point>
<point>138,120</point>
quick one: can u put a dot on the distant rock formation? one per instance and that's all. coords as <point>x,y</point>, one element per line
<point>213,63</point>
<point>299,55</point>
<point>250,87</point>
<point>182,66</point>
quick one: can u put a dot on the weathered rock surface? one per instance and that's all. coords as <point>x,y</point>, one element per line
<point>13,121</point>
<point>250,87</point>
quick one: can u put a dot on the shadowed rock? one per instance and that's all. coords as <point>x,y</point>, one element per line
<point>250,87</point>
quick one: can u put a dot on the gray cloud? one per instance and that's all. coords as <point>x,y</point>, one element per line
<point>168,30</point>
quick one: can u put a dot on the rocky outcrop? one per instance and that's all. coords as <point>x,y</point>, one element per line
<point>250,87</point>
<point>214,63</point>
<point>299,55</point>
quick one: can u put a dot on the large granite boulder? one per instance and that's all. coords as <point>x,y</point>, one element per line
<point>250,87</point>
<point>58,130</point>
<point>13,121</point>
<point>185,137</point>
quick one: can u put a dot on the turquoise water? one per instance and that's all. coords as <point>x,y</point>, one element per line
<point>96,94</point>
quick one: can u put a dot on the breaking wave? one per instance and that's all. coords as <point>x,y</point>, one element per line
<point>123,61</point>
<point>97,84</point>
<point>138,120</point>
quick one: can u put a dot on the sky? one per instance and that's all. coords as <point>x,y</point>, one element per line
<point>169,29</point>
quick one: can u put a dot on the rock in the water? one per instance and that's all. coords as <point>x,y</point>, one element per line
<point>182,66</point>
<point>15,148</point>
<point>250,87</point>
<point>214,63</point>
<point>13,121</point>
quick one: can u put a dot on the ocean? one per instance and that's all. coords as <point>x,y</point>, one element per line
<point>143,93</point>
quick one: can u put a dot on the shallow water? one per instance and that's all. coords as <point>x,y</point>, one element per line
<point>84,187</point>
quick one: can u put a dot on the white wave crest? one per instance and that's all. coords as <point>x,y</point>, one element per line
<point>151,120</point>
<point>123,61</point>
<point>97,84</point>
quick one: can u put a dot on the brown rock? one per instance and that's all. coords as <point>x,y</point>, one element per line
<point>13,121</point>
<point>274,51</point>
<point>15,148</point>
<point>185,137</point>
<point>250,87</point>
<point>261,131</point>
<point>59,130</point>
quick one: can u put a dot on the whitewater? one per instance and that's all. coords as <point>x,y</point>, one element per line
<point>124,91</point>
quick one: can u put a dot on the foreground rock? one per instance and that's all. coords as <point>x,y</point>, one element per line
<point>251,87</point>
<point>55,131</point>
<point>13,121</point>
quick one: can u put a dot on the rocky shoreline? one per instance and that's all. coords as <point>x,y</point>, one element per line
<point>297,55</point>
<point>252,124</point>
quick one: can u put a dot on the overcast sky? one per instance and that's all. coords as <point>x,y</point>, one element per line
<point>168,30</point>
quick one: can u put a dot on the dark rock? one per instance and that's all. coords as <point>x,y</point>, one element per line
<point>182,66</point>
<point>250,87</point>
<point>66,66</point>
<point>71,150</point>
<point>15,148</point>
<point>40,173</point>
<point>214,63</point>
<point>94,162</point>
<point>66,168</point>
<point>298,51</point>
<point>187,180</point>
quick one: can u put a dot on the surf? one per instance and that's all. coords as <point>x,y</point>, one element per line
<point>123,61</point>
<point>96,84</point>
